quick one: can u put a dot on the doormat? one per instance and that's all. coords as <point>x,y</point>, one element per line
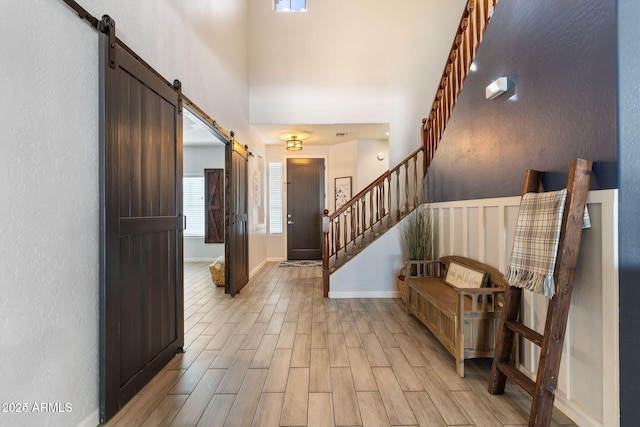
<point>300,264</point>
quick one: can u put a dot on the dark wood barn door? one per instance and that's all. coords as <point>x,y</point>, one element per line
<point>237,248</point>
<point>214,206</point>
<point>305,202</point>
<point>141,286</point>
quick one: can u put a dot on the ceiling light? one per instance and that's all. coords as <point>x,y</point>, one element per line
<point>294,144</point>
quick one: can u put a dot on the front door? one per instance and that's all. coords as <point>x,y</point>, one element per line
<point>305,203</point>
<point>141,223</point>
<point>237,248</point>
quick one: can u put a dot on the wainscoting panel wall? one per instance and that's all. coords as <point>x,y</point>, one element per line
<point>588,389</point>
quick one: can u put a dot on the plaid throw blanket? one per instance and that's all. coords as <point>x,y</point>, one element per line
<point>535,247</point>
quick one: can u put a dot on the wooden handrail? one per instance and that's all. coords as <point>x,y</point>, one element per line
<point>473,25</point>
<point>375,183</point>
<point>371,212</point>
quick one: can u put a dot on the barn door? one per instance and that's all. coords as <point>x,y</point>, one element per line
<point>214,206</point>
<point>237,248</point>
<point>141,223</point>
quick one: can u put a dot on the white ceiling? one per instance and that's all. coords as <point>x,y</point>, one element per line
<point>322,134</point>
<point>195,132</point>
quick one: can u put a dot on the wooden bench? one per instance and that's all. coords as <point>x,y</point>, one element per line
<point>464,319</point>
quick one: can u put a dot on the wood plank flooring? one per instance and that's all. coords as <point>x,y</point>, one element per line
<point>279,354</point>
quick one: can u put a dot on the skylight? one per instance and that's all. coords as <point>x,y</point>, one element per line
<point>290,5</point>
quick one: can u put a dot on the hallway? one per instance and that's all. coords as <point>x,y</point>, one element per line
<point>278,354</point>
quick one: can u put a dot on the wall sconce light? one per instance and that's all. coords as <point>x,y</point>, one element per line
<point>498,87</point>
<point>294,144</point>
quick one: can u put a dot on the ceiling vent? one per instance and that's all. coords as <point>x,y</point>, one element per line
<point>342,133</point>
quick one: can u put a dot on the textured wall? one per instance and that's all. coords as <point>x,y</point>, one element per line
<point>562,58</point>
<point>629,214</point>
<point>49,176</point>
<point>49,211</point>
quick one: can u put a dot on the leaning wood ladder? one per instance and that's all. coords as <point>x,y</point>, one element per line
<point>551,343</point>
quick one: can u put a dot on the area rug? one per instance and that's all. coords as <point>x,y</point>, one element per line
<point>300,263</point>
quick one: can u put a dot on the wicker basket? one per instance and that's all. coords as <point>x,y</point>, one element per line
<point>217,274</point>
<point>402,287</point>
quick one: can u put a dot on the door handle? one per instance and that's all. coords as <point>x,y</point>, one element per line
<point>289,222</point>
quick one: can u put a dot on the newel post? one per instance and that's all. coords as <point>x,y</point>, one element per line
<point>325,252</point>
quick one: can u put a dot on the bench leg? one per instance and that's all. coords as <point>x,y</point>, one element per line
<point>460,367</point>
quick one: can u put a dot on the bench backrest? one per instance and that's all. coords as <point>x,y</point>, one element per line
<point>496,278</point>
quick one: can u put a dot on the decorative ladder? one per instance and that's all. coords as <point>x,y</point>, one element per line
<point>551,343</point>
<point>395,194</point>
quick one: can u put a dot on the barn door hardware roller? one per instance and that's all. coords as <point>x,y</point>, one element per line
<point>108,26</point>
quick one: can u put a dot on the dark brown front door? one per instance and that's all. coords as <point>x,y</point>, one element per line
<point>305,202</point>
<point>141,222</point>
<point>237,248</point>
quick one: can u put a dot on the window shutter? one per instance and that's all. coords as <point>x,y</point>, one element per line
<point>193,196</point>
<point>276,213</point>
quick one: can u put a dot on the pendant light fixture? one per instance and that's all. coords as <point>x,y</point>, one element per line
<point>294,144</point>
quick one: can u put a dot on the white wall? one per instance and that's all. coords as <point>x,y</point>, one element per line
<point>196,160</point>
<point>343,161</point>
<point>49,186</point>
<point>588,383</point>
<point>369,167</point>
<point>361,61</point>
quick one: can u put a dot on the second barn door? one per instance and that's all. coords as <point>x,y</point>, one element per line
<point>237,248</point>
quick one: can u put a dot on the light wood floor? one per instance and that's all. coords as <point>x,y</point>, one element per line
<point>278,354</point>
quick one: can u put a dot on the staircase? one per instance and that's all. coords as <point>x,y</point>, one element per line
<point>397,192</point>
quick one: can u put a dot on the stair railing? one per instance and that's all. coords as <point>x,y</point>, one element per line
<point>394,194</point>
<point>473,25</point>
<point>372,211</point>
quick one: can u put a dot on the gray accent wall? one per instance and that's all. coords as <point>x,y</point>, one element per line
<point>576,70</point>
<point>561,56</point>
<point>629,207</point>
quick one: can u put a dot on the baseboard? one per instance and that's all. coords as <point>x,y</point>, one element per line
<point>210,260</point>
<point>275,259</point>
<point>92,420</point>
<point>255,270</point>
<point>364,294</point>
<point>567,407</point>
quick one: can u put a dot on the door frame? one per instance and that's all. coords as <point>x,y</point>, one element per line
<point>285,206</point>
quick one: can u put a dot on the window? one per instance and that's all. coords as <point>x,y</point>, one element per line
<point>275,198</point>
<point>193,203</point>
<point>290,5</point>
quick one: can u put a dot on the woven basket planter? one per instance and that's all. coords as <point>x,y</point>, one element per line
<point>217,274</point>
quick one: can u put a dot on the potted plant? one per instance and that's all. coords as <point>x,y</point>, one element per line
<point>417,235</point>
